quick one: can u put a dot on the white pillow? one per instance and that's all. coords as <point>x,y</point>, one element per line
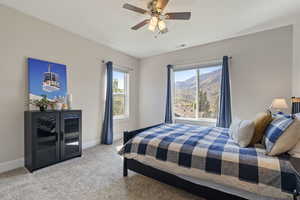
<point>242,131</point>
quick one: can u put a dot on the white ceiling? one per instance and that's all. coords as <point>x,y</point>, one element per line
<point>105,22</point>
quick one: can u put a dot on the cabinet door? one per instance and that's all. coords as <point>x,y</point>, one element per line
<point>46,138</point>
<point>70,134</point>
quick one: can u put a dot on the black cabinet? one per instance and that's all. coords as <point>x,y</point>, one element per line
<point>51,137</point>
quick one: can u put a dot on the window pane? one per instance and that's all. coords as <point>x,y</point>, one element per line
<point>197,92</point>
<point>118,82</point>
<point>119,93</point>
<point>209,92</point>
<point>185,94</point>
<point>119,104</point>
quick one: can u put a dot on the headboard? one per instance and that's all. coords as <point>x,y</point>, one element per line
<point>295,105</point>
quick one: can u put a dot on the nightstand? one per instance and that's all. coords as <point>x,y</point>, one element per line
<point>296,164</point>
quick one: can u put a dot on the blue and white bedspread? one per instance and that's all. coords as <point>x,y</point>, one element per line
<point>209,153</point>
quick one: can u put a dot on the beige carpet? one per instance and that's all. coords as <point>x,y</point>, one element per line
<point>96,175</point>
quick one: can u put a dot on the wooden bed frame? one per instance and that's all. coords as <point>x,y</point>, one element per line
<point>295,105</point>
<point>170,179</point>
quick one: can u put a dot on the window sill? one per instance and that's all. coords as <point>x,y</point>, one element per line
<point>121,117</point>
<point>197,120</point>
<point>202,121</point>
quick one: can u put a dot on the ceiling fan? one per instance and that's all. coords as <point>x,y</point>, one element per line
<point>157,20</point>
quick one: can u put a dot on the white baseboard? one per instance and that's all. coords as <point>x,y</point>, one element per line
<point>90,144</point>
<point>10,165</point>
<point>14,164</point>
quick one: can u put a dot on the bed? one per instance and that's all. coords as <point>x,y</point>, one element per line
<point>206,161</point>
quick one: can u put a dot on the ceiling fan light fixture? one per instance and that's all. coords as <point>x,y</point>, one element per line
<point>156,11</point>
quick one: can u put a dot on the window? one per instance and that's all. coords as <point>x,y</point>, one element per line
<point>197,93</point>
<point>120,94</point>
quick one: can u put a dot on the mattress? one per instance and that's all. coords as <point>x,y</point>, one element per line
<point>208,154</point>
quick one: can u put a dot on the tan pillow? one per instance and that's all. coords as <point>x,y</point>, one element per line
<point>287,140</point>
<point>295,151</point>
<point>261,123</point>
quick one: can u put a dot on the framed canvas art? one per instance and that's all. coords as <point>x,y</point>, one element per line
<point>46,79</point>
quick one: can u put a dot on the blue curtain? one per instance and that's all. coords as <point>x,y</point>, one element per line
<point>169,115</point>
<point>107,128</point>
<point>224,119</point>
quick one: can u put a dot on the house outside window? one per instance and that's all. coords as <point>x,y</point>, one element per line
<point>120,94</point>
<point>197,93</point>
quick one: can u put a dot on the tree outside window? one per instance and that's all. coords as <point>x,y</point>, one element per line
<point>120,94</point>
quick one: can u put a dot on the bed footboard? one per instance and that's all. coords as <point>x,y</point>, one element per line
<point>173,180</point>
<point>126,137</point>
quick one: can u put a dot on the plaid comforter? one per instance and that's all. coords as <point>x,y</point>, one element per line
<point>211,150</point>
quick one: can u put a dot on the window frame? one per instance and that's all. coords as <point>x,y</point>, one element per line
<point>185,68</point>
<point>126,93</point>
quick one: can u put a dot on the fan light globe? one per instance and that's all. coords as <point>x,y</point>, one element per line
<point>153,23</point>
<point>151,27</point>
<point>162,25</point>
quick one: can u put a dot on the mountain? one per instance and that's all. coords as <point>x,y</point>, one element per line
<point>209,83</point>
<point>187,84</point>
<point>186,91</point>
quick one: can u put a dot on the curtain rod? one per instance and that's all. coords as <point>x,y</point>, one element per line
<point>120,66</point>
<point>202,61</point>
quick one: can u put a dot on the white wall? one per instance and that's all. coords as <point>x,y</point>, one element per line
<point>296,59</point>
<point>22,37</point>
<point>260,71</point>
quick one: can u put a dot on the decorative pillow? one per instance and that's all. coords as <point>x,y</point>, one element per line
<point>295,151</point>
<point>281,114</point>
<point>278,137</point>
<point>241,131</point>
<point>261,123</point>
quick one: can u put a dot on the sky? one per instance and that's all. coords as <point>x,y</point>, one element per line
<point>184,75</point>
<point>36,70</point>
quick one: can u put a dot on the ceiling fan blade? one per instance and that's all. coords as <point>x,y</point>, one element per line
<point>140,25</point>
<point>178,16</point>
<point>161,4</point>
<point>134,8</point>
